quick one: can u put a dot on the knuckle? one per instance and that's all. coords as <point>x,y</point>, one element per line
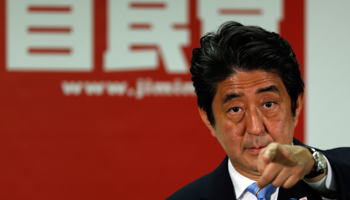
<point>267,178</point>
<point>287,185</point>
<point>260,168</point>
<point>290,183</point>
<point>299,173</point>
<point>276,183</point>
<point>274,146</point>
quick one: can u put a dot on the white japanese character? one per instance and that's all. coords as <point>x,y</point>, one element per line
<point>49,35</point>
<point>252,12</point>
<point>139,32</point>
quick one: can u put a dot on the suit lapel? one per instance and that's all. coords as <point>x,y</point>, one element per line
<point>294,192</point>
<point>298,191</point>
<point>220,184</point>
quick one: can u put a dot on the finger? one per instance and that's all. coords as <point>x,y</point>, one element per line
<point>270,173</point>
<point>291,181</point>
<point>282,177</point>
<point>266,156</point>
<point>296,175</point>
<point>271,152</point>
<point>285,155</point>
<point>261,163</point>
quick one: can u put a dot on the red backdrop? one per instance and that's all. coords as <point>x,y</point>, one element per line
<point>59,146</point>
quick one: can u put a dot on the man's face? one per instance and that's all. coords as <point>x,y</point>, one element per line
<point>251,110</point>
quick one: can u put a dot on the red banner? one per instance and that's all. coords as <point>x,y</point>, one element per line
<point>96,97</point>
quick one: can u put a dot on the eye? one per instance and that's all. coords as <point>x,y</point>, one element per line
<point>235,109</point>
<point>268,104</point>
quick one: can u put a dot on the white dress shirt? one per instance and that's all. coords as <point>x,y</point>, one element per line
<point>240,183</point>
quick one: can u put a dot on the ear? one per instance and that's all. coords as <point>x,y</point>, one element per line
<point>206,121</point>
<point>298,107</point>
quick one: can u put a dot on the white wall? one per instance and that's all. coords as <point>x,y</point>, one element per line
<point>327,74</point>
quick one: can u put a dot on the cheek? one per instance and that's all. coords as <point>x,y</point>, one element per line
<point>233,129</point>
<point>231,134</point>
<point>281,129</point>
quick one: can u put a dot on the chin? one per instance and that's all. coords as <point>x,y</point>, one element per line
<point>252,166</point>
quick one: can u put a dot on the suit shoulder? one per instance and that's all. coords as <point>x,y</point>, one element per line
<point>215,185</point>
<point>192,190</point>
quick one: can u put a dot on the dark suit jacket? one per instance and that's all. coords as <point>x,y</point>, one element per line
<point>218,184</point>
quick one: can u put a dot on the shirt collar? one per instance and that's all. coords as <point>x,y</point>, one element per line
<point>240,182</point>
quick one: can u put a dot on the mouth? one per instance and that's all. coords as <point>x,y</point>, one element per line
<point>255,150</point>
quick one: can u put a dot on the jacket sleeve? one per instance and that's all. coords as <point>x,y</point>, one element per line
<point>339,158</point>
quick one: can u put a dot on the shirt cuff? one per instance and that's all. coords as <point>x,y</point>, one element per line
<point>327,184</point>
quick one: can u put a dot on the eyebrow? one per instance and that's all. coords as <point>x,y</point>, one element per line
<point>271,88</point>
<point>230,96</point>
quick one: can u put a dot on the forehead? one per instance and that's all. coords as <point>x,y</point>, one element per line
<point>251,81</point>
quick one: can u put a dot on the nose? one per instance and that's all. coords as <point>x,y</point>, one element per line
<point>255,124</point>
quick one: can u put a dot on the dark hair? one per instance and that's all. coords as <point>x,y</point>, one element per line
<point>234,47</point>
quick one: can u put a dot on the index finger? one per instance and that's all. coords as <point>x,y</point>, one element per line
<point>267,155</point>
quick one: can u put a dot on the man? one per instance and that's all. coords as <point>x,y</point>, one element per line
<point>250,94</point>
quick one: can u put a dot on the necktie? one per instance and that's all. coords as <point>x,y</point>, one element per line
<point>262,194</point>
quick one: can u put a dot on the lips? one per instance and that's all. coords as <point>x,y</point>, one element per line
<point>256,150</point>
